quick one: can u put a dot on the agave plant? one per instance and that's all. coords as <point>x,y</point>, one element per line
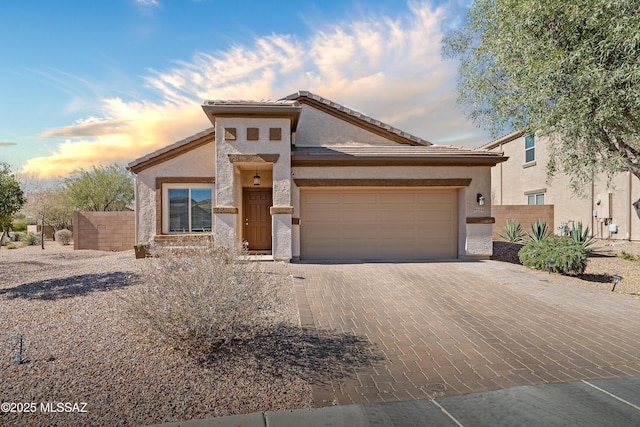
<point>512,232</point>
<point>582,236</point>
<point>539,230</point>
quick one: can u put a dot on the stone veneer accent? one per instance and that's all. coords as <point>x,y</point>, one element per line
<point>224,210</point>
<point>276,210</point>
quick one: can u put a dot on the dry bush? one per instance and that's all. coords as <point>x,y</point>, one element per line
<point>63,236</point>
<point>202,297</point>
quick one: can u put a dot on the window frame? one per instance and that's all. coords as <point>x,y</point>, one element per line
<point>535,197</point>
<point>166,187</point>
<point>531,149</point>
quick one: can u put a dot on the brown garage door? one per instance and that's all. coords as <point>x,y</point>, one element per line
<point>389,223</point>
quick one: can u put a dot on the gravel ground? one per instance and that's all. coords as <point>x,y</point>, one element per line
<point>603,263</point>
<point>80,346</point>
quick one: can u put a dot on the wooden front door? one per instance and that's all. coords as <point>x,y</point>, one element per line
<point>257,218</point>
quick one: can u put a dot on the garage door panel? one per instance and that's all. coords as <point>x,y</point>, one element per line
<point>359,216</point>
<point>378,223</point>
<point>322,198</point>
<point>399,198</point>
<point>436,197</point>
<point>322,216</point>
<point>353,198</point>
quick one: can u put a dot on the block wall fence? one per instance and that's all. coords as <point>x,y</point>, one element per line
<point>104,231</point>
<point>523,214</point>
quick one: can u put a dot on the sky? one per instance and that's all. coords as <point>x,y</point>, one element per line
<point>86,83</point>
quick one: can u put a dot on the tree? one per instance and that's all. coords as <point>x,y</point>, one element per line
<point>105,188</point>
<point>52,204</point>
<point>566,70</point>
<point>11,198</point>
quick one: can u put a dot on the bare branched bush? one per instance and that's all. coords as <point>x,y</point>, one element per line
<point>63,236</point>
<point>202,297</point>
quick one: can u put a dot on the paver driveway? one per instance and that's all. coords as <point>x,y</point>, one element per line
<point>439,328</point>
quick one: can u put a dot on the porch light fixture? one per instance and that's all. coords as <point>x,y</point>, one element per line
<point>256,179</point>
<point>480,199</point>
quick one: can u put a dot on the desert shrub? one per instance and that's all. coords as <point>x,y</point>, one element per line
<point>12,246</point>
<point>201,298</point>
<point>31,239</point>
<point>19,226</point>
<point>63,236</point>
<point>558,254</point>
<point>16,236</point>
<point>512,232</point>
<point>582,236</point>
<point>628,256</point>
<point>539,230</point>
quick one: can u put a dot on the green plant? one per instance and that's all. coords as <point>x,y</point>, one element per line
<point>539,230</point>
<point>12,246</point>
<point>582,236</point>
<point>63,236</point>
<point>19,226</point>
<point>31,239</point>
<point>16,236</point>
<point>628,256</point>
<point>141,245</point>
<point>201,298</point>
<point>557,254</point>
<point>512,232</point>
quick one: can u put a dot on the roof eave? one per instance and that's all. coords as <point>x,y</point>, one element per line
<point>333,160</point>
<point>264,110</point>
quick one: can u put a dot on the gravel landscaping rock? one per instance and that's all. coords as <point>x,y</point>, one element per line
<point>604,262</point>
<point>81,347</point>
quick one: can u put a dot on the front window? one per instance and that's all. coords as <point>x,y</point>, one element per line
<point>535,199</point>
<point>529,149</point>
<point>188,209</point>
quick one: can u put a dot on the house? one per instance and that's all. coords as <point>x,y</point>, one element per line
<point>607,205</point>
<point>306,178</point>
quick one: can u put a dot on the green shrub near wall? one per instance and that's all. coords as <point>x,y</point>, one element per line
<point>558,254</point>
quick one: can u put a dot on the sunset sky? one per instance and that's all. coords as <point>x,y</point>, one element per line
<point>96,82</point>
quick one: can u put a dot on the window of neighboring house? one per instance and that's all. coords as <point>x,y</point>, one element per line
<point>535,199</point>
<point>187,208</point>
<point>529,149</point>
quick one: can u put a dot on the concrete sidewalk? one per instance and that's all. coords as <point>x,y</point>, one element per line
<point>613,402</point>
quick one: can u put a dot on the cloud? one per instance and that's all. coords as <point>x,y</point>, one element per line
<point>7,144</point>
<point>91,127</point>
<point>147,3</point>
<point>388,67</point>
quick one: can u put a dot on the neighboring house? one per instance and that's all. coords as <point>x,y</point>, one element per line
<point>606,206</point>
<point>306,178</point>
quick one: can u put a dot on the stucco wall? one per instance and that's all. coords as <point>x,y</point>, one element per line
<point>199,162</point>
<point>318,128</point>
<point>104,231</point>
<point>511,180</point>
<point>232,177</point>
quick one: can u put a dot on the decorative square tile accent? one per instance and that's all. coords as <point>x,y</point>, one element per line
<point>229,134</point>
<point>275,134</point>
<point>253,134</point>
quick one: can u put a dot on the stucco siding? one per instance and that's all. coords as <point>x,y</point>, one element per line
<point>514,179</point>
<point>199,162</point>
<point>317,128</point>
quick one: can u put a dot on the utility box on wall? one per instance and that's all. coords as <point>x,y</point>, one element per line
<point>604,203</point>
